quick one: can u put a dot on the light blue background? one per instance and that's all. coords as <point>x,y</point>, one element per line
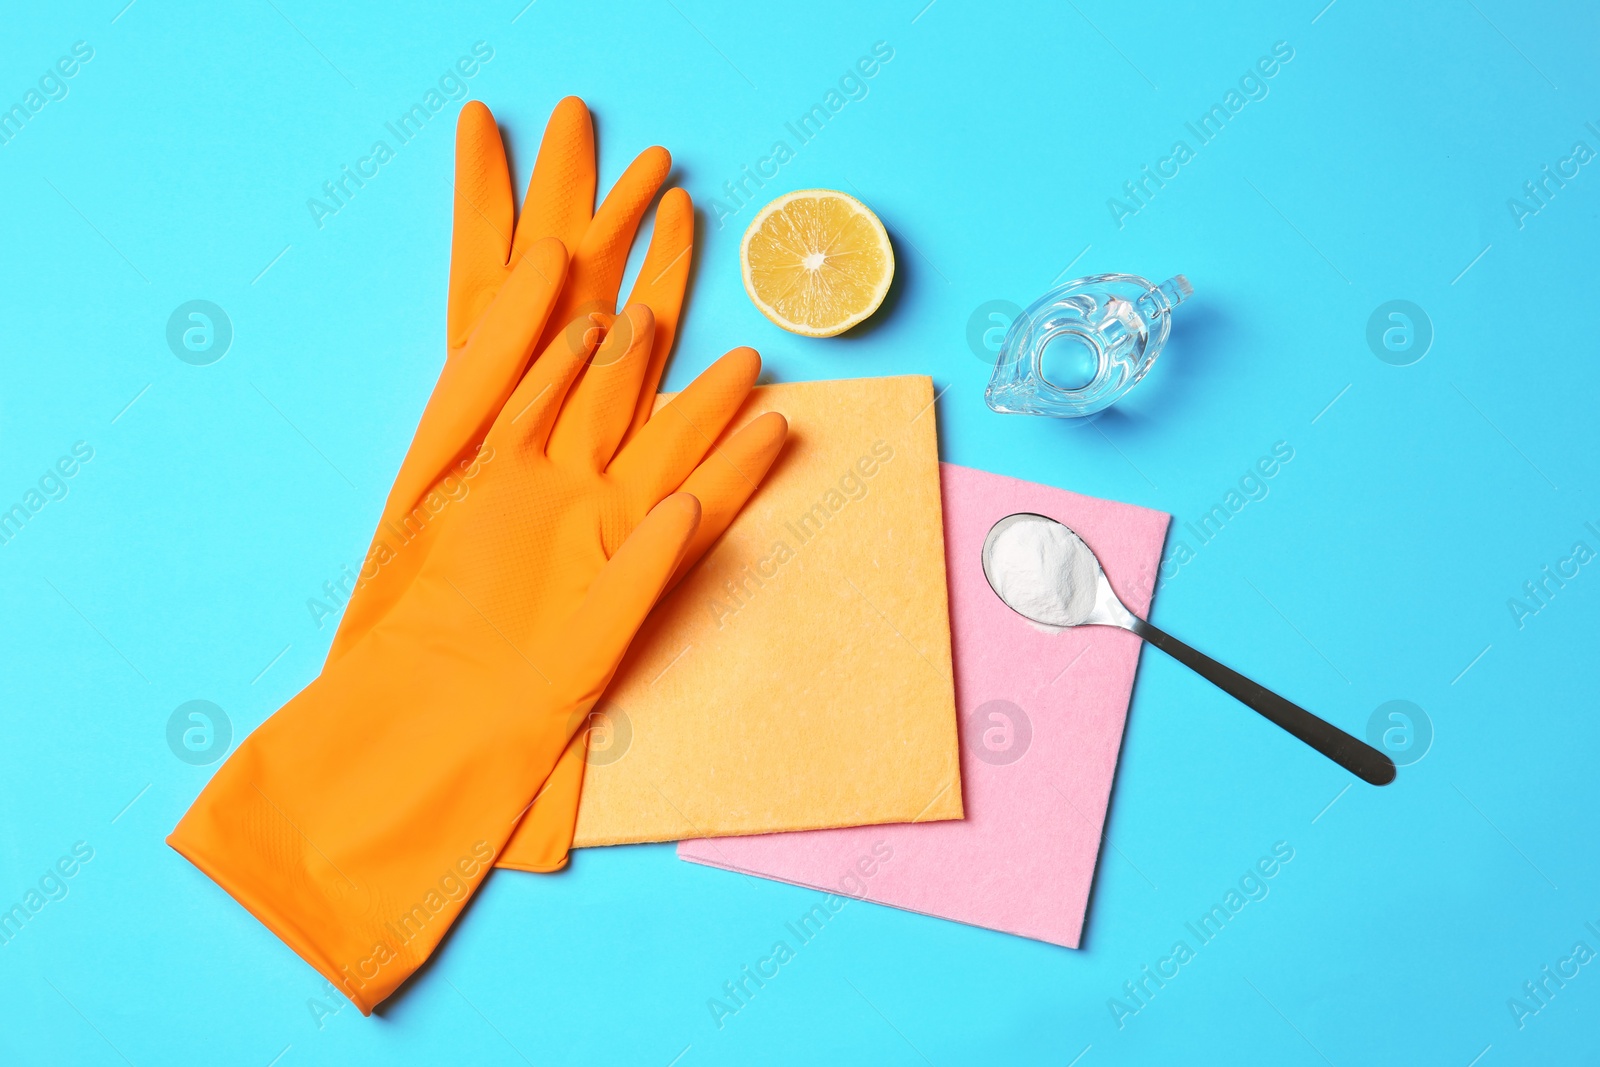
<point>1378,568</point>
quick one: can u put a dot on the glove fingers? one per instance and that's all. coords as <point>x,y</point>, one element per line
<point>600,406</point>
<point>660,456</point>
<point>728,478</point>
<point>531,412</point>
<point>561,190</point>
<point>475,385</point>
<point>660,285</point>
<point>622,595</point>
<point>484,214</point>
<point>600,258</point>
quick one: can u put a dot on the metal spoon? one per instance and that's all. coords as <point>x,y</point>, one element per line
<point>1356,756</point>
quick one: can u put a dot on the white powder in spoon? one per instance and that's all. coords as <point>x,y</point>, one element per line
<point>1044,572</point>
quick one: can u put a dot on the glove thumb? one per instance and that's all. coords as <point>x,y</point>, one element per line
<point>625,590</point>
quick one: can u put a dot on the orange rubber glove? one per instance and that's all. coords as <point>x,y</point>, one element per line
<point>486,250</point>
<point>359,818</point>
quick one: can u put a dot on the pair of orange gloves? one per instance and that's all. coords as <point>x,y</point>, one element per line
<point>540,514</point>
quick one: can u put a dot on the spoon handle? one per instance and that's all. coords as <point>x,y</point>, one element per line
<point>1357,757</point>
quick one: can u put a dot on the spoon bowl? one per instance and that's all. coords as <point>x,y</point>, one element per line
<point>1104,609</point>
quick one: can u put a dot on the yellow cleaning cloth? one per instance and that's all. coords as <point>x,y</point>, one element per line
<point>800,676</point>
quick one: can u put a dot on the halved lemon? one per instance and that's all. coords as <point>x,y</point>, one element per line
<point>816,262</point>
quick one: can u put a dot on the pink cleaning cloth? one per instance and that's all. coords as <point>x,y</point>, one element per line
<point>1041,724</point>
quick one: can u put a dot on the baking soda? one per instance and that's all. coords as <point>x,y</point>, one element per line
<point>1044,572</point>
